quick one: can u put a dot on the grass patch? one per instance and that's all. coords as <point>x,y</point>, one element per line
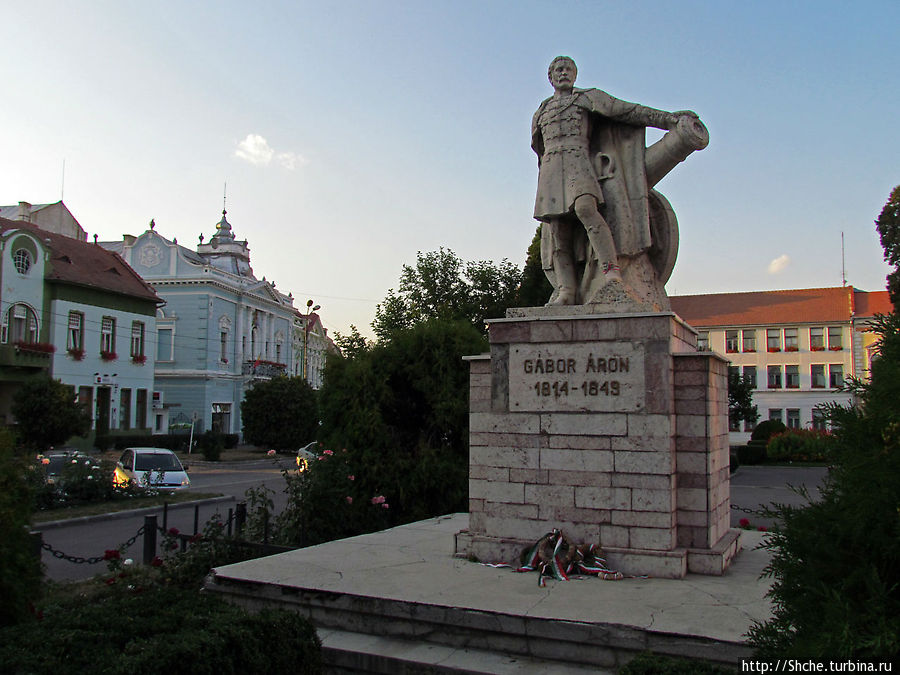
<point>102,508</point>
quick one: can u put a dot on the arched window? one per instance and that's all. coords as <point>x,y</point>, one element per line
<point>20,324</point>
<point>22,260</point>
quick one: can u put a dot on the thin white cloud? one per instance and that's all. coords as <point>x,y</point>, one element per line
<point>779,264</point>
<point>256,150</point>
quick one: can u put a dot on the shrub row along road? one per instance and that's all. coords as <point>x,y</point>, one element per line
<point>751,488</point>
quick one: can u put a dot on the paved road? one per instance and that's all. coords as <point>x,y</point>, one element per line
<point>751,487</point>
<point>92,538</point>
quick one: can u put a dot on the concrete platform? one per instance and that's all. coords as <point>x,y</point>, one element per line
<point>399,601</point>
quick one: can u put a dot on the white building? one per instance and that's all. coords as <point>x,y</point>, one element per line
<point>797,346</point>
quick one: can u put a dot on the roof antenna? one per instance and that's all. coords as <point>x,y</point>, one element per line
<point>843,269</point>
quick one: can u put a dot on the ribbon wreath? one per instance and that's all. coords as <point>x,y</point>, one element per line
<point>553,556</point>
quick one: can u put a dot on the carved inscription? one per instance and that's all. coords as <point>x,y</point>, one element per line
<point>578,376</point>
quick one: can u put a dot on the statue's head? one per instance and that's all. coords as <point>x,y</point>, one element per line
<point>562,71</point>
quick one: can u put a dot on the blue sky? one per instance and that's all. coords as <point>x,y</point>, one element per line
<point>354,134</point>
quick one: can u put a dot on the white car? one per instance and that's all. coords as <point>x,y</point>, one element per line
<point>305,455</point>
<point>151,467</point>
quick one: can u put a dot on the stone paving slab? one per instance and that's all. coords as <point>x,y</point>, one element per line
<point>410,572</point>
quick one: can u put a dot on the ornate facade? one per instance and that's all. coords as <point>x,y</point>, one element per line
<point>220,330</point>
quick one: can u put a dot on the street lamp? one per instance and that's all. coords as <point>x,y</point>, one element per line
<point>309,310</point>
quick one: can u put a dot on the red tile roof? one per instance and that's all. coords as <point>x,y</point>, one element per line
<point>83,264</point>
<point>870,304</point>
<point>807,305</point>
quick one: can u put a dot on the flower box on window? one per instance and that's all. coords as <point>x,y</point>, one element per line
<point>44,348</point>
<point>772,350</point>
<point>790,349</point>
<point>749,351</point>
<point>817,349</point>
<point>838,348</point>
<point>77,354</point>
<point>140,359</point>
<point>108,356</point>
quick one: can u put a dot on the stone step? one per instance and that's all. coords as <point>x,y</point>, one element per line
<point>346,652</point>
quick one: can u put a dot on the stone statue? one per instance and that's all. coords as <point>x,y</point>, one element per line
<point>608,238</point>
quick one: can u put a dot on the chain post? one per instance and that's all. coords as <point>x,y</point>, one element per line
<point>37,544</point>
<point>149,539</point>
<point>230,520</point>
<point>196,517</point>
<point>240,517</point>
<point>165,516</point>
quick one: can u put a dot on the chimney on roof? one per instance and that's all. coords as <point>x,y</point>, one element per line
<point>24,212</point>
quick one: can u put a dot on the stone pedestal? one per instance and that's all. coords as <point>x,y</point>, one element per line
<point>612,428</point>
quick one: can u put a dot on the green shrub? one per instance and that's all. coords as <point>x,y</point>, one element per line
<point>168,631</point>
<point>211,444</point>
<point>836,562</point>
<point>766,429</point>
<point>752,453</point>
<point>231,441</point>
<point>20,567</point>
<point>800,445</point>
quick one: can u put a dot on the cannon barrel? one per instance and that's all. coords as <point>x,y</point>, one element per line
<point>689,134</point>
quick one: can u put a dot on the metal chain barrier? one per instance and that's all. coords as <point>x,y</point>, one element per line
<point>752,512</point>
<point>79,560</point>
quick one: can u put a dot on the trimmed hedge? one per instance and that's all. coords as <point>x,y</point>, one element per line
<point>163,630</point>
<point>766,429</point>
<point>752,453</point>
<point>800,445</point>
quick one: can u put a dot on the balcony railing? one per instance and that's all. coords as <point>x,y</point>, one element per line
<point>263,369</point>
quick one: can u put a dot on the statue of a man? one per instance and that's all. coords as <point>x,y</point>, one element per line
<point>594,192</point>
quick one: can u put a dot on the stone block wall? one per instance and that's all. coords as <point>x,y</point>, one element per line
<point>634,467</point>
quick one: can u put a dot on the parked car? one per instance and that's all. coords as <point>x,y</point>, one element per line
<point>305,455</point>
<point>54,461</point>
<point>152,467</point>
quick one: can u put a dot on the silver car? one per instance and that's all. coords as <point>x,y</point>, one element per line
<point>151,467</point>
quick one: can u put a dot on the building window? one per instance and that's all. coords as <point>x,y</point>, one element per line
<point>24,325</point>
<point>774,377</point>
<point>748,337</point>
<point>816,339</point>
<point>836,375</point>
<point>817,375</point>
<point>775,414</point>
<point>734,425</point>
<point>137,338</point>
<point>731,341</point>
<point>749,426</point>
<point>773,340</point>
<point>22,261</point>
<point>277,352</point>
<point>791,344</point>
<point>165,347</point>
<point>835,341</point>
<point>703,341</point>
<point>221,418</point>
<point>108,335</point>
<point>818,420</point>
<point>750,374</point>
<point>223,346</point>
<point>734,371</point>
<point>793,418</point>
<point>792,377</point>
<point>125,409</point>
<point>75,333</point>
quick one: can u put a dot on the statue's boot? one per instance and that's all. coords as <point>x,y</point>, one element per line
<point>565,277</point>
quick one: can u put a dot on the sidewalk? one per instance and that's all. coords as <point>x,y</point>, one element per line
<point>403,588</point>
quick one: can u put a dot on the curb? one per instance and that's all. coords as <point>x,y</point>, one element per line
<point>118,515</point>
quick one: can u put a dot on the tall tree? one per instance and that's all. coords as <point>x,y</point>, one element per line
<point>535,289</point>
<point>888,226</point>
<point>47,414</point>
<point>441,286</point>
<point>280,413</point>
<point>740,400</point>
